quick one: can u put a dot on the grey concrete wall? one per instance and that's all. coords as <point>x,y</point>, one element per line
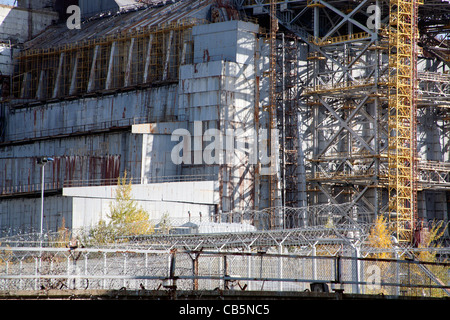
<point>218,91</point>
<point>20,24</point>
<point>93,113</point>
<point>174,198</point>
<point>6,54</point>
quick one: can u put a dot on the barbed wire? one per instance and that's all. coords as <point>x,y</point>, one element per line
<point>328,224</point>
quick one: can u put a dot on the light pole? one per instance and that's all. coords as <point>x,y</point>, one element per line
<point>42,162</point>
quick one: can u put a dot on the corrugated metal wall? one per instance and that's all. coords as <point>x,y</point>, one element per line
<point>23,215</point>
<point>87,160</point>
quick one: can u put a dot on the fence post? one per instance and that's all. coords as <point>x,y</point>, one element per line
<point>355,270</point>
<point>36,272</point>
<point>20,274</point>
<point>105,271</point>
<point>146,269</point>
<point>314,263</point>
<point>173,285</point>
<point>337,285</point>
<point>124,268</point>
<point>74,271</point>
<point>397,273</point>
<point>280,267</point>
<point>86,263</point>
<point>249,271</point>
<point>409,275</point>
<point>225,273</point>
<point>337,265</point>
<point>195,271</point>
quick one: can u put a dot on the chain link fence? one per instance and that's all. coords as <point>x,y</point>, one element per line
<point>275,218</point>
<point>110,269</point>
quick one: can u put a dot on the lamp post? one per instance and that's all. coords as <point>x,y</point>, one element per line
<point>42,162</point>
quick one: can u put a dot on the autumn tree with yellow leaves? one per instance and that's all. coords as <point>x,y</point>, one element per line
<point>125,214</point>
<point>126,218</point>
<point>380,238</point>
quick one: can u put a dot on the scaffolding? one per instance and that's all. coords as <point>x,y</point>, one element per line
<point>402,147</point>
<point>272,178</point>
<point>358,98</point>
<point>146,56</point>
<point>343,92</point>
<point>287,109</point>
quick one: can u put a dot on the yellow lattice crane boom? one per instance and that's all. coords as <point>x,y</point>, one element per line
<point>403,36</point>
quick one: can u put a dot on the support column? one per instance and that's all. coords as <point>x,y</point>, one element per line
<point>39,91</point>
<point>73,80</point>
<point>58,75</point>
<point>167,62</point>
<point>110,66</point>
<point>129,61</point>
<point>148,58</point>
<point>91,83</point>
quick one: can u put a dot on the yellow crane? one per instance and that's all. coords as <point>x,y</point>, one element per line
<point>403,36</point>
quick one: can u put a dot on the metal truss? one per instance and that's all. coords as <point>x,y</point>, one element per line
<point>434,175</point>
<point>403,35</point>
<point>343,86</point>
<point>348,118</point>
<point>287,101</point>
<point>434,89</point>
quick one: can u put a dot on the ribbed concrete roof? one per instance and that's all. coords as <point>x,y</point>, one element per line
<point>116,23</point>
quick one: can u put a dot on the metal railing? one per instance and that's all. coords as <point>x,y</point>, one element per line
<point>339,39</point>
<point>83,268</point>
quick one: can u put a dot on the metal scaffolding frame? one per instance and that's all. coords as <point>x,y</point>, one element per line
<point>348,94</point>
<point>402,126</point>
<point>343,90</point>
<point>287,96</point>
<point>358,90</point>
<point>147,56</point>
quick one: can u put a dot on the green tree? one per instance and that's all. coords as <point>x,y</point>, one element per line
<point>102,233</point>
<point>125,214</point>
<point>126,218</point>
